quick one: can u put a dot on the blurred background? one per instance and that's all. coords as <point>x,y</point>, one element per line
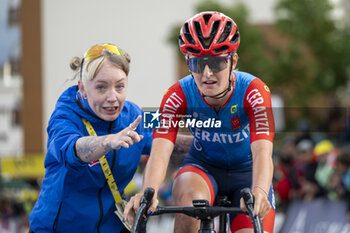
<point>300,48</point>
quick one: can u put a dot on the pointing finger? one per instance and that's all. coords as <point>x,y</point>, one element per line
<point>134,125</point>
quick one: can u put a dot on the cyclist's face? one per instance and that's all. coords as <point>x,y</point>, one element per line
<point>211,83</point>
<point>106,93</point>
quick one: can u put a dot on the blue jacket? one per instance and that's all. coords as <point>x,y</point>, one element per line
<point>75,196</point>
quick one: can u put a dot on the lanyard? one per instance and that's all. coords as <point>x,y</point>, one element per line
<point>119,202</point>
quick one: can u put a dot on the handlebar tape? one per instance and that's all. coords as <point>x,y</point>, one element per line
<point>145,203</point>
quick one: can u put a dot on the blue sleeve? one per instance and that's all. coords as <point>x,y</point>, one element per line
<point>63,133</point>
<point>147,133</point>
<point>147,137</point>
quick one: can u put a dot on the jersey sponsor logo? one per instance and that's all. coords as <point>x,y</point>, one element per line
<point>221,137</point>
<point>170,107</point>
<point>260,114</point>
<point>197,145</point>
<point>235,123</point>
<point>233,109</point>
<point>172,103</point>
<point>267,88</point>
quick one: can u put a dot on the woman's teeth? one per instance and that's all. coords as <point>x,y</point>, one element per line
<point>111,108</point>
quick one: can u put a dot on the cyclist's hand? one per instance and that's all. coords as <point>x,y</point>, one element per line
<point>126,137</point>
<point>261,204</point>
<point>131,208</point>
<point>153,205</point>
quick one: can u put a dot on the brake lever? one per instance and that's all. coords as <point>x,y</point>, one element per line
<point>249,202</point>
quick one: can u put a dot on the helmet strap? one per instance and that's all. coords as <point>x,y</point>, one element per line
<point>227,90</point>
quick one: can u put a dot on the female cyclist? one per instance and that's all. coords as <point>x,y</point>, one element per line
<point>229,114</point>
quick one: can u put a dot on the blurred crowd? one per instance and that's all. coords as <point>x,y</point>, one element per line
<point>309,166</point>
<point>15,206</point>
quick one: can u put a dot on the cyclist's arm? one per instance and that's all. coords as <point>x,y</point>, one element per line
<point>257,104</point>
<point>262,173</point>
<point>172,107</point>
<point>157,165</point>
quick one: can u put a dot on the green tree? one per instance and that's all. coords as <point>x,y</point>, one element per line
<point>314,62</point>
<point>318,54</point>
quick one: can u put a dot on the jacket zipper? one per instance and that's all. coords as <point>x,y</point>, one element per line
<point>100,190</point>
<point>56,218</point>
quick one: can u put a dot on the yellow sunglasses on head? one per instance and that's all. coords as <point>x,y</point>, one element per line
<point>97,50</point>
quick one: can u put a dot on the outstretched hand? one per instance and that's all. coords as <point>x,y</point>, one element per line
<point>126,137</point>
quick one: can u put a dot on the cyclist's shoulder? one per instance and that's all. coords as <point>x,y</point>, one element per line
<point>244,76</point>
<point>186,78</point>
<point>247,81</point>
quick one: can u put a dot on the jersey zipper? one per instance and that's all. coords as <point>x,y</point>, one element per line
<point>217,114</point>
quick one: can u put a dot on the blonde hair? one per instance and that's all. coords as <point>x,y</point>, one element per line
<point>91,67</point>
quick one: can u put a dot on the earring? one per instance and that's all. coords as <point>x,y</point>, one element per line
<point>85,97</point>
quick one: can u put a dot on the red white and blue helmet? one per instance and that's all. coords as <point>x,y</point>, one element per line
<point>210,33</point>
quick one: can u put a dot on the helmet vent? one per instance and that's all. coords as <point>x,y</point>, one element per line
<point>188,35</point>
<point>226,32</point>
<point>181,42</point>
<point>206,18</point>
<point>221,49</point>
<point>235,38</point>
<point>193,51</point>
<point>198,29</point>
<point>206,42</point>
<point>215,28</point>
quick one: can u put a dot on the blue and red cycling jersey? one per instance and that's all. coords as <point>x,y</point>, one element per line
<point>222,138</point>
<point>221,150</point>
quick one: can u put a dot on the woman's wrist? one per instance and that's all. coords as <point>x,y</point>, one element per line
<point>260,189</point>
<point>106,142</point>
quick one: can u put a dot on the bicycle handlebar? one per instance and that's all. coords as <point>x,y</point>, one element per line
<point>200,210</point>
<point>145,203</point>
